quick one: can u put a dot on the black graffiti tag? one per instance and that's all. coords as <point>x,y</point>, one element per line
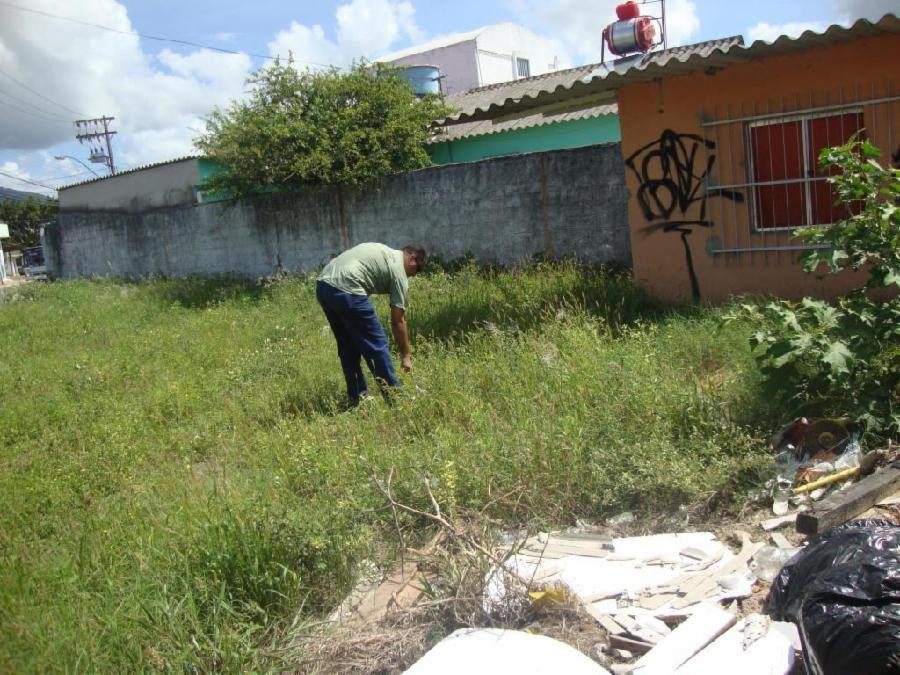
<point>671,183</point>
<point>672,179</point>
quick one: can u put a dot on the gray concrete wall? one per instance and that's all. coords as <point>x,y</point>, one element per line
<point>169,184</point>
<point>498,210</point>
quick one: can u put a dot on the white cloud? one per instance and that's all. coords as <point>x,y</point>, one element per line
<point>771,32</point>
<point>851,10</point>
<point>59,71</point>
<point>578,24</point>
<point>682,22</point>
<point>14,176</point>
<point>307,46</point>
<point>62,71</point>
<point>365,28</point>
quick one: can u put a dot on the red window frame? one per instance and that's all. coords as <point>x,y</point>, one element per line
<point>789,188</point>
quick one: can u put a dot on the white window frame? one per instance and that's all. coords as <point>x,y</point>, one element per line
<point>519,62</point>
<point>807,180</point>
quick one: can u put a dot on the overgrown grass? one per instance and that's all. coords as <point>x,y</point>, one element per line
<point>178,474</point>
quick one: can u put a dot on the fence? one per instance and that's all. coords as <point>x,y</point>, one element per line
<point>503,210</point>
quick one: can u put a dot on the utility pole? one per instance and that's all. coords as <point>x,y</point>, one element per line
<point>95,131</point>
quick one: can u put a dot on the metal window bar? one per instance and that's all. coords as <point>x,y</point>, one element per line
<point>807,111</point>
<point>729,236</point>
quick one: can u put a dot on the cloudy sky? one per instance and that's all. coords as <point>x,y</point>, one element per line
<point>62,60</point>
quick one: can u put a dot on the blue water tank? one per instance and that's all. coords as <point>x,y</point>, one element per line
<point>424,79</point>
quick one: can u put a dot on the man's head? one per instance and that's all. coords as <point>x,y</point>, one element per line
<point>414,259</point>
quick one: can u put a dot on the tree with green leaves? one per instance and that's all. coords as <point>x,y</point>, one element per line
<point>844,357</point>
<point>318,128</point>
<point>25,219</point>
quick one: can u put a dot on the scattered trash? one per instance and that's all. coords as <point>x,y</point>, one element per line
<point>492,650</point>
<point>827,480</point>
<point>810,457</point>
<point>843,593</point>
<point>704,626</point>
<point>769,560</point>
<point>841,506</point>
<point>754,646</point>
<point>375,595</point>
<point>625,582</point>
<point>621,519</point>
<point>791,436</point>
<point>782,521</point>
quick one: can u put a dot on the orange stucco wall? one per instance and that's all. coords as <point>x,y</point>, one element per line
<point>864,70</point>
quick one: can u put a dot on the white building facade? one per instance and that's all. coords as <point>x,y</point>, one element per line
<point>498,53</point>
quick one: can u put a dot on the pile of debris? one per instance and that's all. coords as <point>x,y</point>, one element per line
<point>816,458</point>
<point>680,602</point>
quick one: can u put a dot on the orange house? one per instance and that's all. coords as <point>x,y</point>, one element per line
<point>720,143</point>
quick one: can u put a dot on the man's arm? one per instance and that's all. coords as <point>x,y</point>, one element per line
<point>401,337</point>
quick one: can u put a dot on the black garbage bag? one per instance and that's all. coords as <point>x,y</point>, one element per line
<point>843,593</point>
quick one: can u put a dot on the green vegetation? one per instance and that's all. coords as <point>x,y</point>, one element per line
<point>318,128</point>
<point>844,357</point>
<point>25,219</point>
<point>178,475</point>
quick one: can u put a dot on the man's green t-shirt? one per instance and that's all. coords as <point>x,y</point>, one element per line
<point>369,269</point>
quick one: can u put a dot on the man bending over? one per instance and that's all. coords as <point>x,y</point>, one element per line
<point>342,290</point>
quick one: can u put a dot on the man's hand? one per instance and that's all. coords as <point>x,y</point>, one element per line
<point>398,328</point>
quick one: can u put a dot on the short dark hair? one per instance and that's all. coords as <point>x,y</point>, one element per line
<point>418,252</point>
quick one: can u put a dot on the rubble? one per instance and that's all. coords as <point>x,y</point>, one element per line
<point>495,650</point>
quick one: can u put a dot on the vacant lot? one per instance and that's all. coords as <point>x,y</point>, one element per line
<point>178,475</point>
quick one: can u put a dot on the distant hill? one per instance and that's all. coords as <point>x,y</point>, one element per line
<point>8,194</point>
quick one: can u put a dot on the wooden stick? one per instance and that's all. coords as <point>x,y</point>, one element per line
<point>827,480</point>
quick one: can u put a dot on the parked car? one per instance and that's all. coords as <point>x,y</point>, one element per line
<point>33,261</point>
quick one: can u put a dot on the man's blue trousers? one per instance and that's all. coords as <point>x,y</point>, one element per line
<point>358,333</point>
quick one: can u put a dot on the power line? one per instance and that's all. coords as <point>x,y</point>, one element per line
<point>154,37</point>
<point>3,92</point>
<point>25,180</point>
<point>37,93</point>
<point>30,113</point>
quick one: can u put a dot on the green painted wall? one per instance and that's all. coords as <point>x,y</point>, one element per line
<point>557,136</point>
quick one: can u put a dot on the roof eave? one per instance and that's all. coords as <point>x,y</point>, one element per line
<point>609,83</point>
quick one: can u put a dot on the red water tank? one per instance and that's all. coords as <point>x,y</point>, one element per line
<point>632,35</point>
<point>628,10</point>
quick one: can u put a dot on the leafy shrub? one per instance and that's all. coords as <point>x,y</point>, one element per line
<point>844,357</point>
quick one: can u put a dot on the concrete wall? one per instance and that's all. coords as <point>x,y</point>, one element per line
<point>169,184</point>
<point>563,203</point>
<point>675,159</point>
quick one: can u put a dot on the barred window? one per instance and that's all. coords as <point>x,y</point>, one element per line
<point>789,188</point>
<point>523,68</point>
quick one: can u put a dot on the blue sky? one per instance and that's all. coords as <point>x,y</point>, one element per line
<point>53,70</point>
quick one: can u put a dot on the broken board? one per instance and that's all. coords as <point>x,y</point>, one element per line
<point>844,505</point>
<point>701,628</point>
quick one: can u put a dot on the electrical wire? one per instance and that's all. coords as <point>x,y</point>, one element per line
<point>30,113</point>
<point>25,180</point>
<point>156,37</point>
<point>3,92</point>
<point>37,93</point>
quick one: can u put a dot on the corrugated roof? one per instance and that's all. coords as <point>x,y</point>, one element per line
<point>604,80</point>
<point>133,169</point>
<point>538,119</point>
<point>496,94</point>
